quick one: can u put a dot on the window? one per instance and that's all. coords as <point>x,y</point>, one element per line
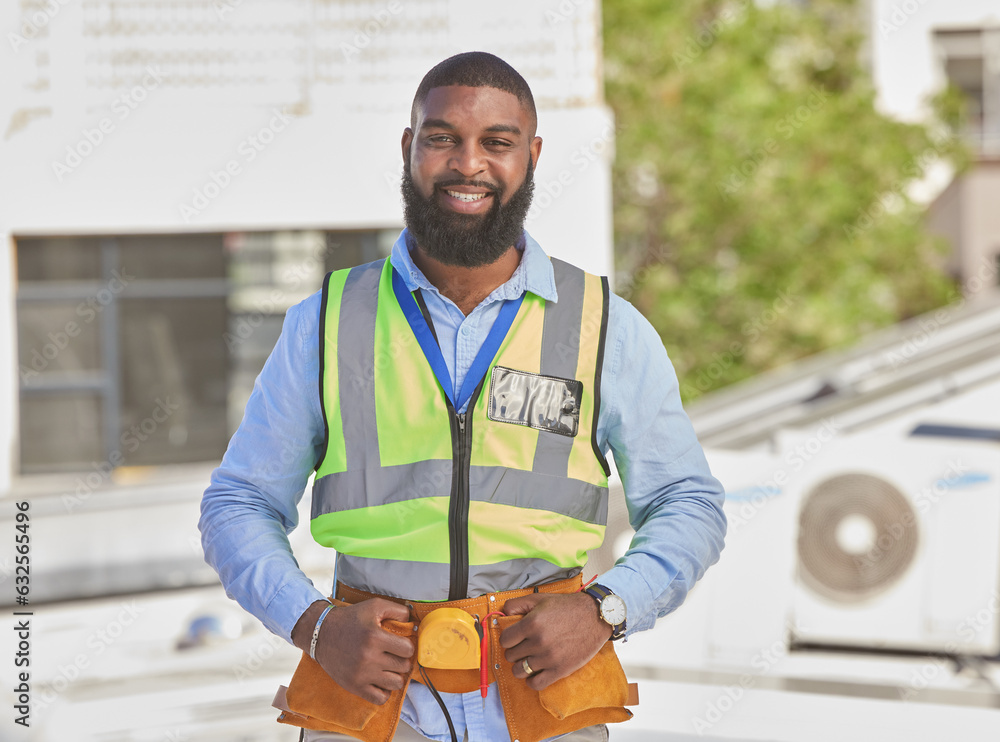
<point>970,60</point>
<point>142,349</point>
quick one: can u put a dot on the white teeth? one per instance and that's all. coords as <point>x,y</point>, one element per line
<point>467,196</point>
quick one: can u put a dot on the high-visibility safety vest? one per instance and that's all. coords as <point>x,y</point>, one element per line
<point>424,503</point>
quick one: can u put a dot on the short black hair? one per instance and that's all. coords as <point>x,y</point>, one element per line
<point>475,70</point>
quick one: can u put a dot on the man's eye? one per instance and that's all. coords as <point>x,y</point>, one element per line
<point>497,143</point>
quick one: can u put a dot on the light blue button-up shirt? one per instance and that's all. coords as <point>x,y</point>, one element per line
<point>674,502</point>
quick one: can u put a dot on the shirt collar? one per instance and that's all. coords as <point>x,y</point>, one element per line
<point>534,273</point>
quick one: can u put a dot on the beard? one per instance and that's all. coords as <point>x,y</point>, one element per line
<point>466,240</point>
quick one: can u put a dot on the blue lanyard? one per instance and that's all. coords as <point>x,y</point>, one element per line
<point>425,338</point>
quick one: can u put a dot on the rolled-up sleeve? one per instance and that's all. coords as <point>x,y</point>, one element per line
<point>250,506</point>
<point>674,502</point>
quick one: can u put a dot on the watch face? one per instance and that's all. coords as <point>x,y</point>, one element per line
<point>613,610</point>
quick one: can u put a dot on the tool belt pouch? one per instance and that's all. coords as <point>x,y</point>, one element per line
<point>597,693</point>
<point>314,700</point>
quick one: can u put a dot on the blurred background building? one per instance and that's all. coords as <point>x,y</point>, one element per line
<point>198,167</point>
<point>916,49</point>
<point>175,174</point>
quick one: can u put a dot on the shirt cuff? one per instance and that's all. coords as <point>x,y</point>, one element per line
<point>632,589</point>
<point>288,605</point>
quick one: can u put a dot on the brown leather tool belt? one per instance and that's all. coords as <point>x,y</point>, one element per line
<point>595,694</point>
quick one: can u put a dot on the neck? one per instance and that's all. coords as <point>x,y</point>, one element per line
<point>467,287</point>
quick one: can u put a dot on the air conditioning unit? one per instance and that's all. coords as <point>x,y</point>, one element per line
<point>898,538</point>
<point>723,623</point>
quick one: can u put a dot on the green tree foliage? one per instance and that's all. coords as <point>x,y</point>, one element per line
<point>761,207</point>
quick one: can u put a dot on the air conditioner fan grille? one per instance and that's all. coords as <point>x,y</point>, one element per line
<point>845,574</point>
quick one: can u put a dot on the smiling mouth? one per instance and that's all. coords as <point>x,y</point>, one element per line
<point>467,197</point>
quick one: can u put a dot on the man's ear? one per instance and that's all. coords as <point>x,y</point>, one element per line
<point>535,149</point>
<point>405,144</point>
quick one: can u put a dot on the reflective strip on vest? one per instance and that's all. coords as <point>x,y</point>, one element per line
<point>538,499</point>
<point>423,578</point>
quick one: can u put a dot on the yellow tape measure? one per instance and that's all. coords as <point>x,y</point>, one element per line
<point>448,640</point>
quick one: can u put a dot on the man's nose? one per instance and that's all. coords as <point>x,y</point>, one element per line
<point>468,160</point>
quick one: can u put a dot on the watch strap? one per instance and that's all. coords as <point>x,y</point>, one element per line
<point>599,592</point>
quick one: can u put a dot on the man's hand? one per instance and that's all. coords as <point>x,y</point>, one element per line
<point>558,635</point>
<point>355,650</point>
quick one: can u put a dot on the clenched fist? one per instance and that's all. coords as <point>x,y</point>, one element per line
<point>355,650</point>
<point>558,635</point>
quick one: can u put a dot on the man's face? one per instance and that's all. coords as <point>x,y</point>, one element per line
<point>467,175</point>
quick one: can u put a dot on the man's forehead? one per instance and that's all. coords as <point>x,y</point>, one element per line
<point>484,106</point>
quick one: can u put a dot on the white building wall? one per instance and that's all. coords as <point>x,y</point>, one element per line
<point>107,129</point>
<point>905,68</point>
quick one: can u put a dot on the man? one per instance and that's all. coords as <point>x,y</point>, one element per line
<point>457,418</point>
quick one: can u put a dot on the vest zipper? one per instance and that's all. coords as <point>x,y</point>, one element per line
<point>458,511</point>
<point>458,508</point>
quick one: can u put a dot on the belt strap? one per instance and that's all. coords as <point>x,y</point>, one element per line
<point>482,604</point>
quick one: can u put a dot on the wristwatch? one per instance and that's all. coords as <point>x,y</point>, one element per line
<point>611,608</point>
